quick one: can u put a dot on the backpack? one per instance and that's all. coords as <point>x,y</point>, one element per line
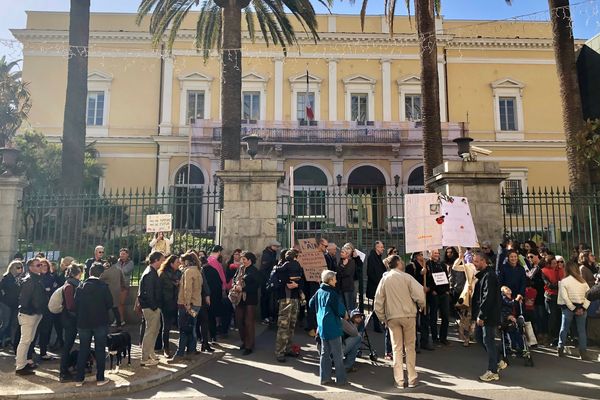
<point>274,281</point>
<point>56,304</point>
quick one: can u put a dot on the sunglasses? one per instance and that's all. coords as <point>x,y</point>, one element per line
<point>562,262</point>
<point>530,257</point>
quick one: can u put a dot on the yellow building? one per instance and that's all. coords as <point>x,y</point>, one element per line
<point>364,88</point>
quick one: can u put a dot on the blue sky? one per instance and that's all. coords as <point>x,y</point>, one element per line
<point>586,13</point>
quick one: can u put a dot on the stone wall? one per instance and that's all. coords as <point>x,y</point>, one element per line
<point>249,216</point>
<point>11,192</point>
<point>478,181</point>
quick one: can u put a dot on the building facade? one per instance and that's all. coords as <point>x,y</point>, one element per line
<point>147,110</point>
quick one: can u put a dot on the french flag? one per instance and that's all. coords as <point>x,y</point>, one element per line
<point>310,115</point>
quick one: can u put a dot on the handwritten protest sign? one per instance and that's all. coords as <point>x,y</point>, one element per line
<point>433,221</point>
<point>159,223</point>
<point>312,259</point>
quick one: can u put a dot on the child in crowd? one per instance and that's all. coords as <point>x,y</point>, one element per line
<point>509,311</point>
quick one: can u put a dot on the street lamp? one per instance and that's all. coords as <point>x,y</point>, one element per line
<point>339,180</point>
<point>252,144</point>
<point>396,180</point>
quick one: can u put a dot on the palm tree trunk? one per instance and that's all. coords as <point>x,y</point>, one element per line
<point>572,110</point>
<point>432,129</point>
<point>73,150</point>
<point>231,82</point>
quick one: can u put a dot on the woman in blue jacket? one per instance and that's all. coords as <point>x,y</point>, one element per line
<point>328,307</point>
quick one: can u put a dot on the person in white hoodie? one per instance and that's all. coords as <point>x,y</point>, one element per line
<point>396,299</point>
<point>573,304</point>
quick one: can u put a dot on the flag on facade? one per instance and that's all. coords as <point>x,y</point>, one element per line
<point>310,115</point>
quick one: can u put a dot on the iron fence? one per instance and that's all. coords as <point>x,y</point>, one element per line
<point>72,225</point>
<point>559,218</point>
<point>357,215</point>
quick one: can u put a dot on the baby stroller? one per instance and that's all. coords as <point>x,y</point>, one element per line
<point>511,331</point>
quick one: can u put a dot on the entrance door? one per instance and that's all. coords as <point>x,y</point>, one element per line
<point>366,198</point>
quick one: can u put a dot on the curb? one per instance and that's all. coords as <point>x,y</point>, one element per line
<point>120,390</point>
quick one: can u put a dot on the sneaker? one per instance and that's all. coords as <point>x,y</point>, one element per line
<point>489,376</point>
<point>266,321</point>
<point>122,323</point>
<point>24,371</point>
<point>79,383</point>
<point>413,384</point>
<point>149,363</point>
<point>114,324</point>
<point>47,357</point>
<point>502,365</point>
<point>102,383</point>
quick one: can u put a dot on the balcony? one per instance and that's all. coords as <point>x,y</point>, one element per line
<point>329,132</point>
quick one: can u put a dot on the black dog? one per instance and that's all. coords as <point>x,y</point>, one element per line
<point>119,345</point>
<point>89,364</point>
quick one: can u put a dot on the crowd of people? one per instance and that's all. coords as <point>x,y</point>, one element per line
<point>204,297</point>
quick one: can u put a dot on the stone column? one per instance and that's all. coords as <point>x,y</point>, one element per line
<point>249,217</point>
<point>11,192</point>
<point>166,125</point>
<point>386,88</point>
<point>332,82</point>
<point>478,181</point>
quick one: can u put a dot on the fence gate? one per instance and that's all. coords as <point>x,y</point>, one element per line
<point>343,215</point>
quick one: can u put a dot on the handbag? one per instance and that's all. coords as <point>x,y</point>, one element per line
<point>234,296</point>
<point>529,334</point>
<point>137,307</point>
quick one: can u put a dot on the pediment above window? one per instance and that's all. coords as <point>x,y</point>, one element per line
<point>507,83</point>
<point>97,76</point>
<point>196,77</point>
<point>254,77</point>
<point>359,79</point>
<point>301,78</point>
<point>409,80</point>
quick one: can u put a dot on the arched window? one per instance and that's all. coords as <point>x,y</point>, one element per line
<point>416,181</point>
<point>309,197</point>
<point>188,198</point>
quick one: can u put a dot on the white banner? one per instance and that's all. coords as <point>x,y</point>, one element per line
<point>458,228</point>
<point>159,223</point>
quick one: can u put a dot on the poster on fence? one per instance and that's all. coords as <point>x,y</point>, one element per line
<point>159,223</point>
<point>422,230</point>
<point>311,259</point>
<point>433,221</point>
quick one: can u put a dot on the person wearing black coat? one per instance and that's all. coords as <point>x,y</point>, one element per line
<point>150,298</point>
<point>439,299</point>
<point>375,270</point>
<point>92,302</point>
<point>247,281</point>
<point>486,312</point>
<point>169,287</point>
<point>9,300</point>
<point>217,307</point>
<point>33,303</point>
<point>268,260</point>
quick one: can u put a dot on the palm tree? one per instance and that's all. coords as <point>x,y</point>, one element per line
<point>425,13</point>
<point>219,26</point>
<point>73,151</point>
<point>15,100</point>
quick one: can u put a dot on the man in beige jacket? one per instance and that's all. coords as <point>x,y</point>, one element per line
<point>396,299</point>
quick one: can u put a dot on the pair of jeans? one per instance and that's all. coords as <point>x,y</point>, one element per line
<point>331,350</point>
<point>403,334</point>
<point>69,323</point>
<point>29,326</point>
<point>44,332</point>
<point>168,320</point>
<point>580,321</point>
<point>351,348</point>
<point>5,315</point>
<point>441,303</point>
<point>152,318</point>
<point>486,335</point>
<point>187,340</point>
<point>350,300</point>
<point>85,344</point>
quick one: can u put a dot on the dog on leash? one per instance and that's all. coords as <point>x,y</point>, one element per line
<point>119,347</point>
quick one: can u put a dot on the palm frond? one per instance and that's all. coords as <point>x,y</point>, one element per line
<point>250,23</point>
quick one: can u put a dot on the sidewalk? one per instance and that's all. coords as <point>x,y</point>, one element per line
<point>128,379</point>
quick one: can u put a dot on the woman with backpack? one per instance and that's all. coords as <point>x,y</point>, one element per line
<point>69,318</point>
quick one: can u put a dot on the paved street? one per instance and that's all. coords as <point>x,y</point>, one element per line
<point>449,373</point>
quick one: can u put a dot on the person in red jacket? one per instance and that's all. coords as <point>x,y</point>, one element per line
<point>552,273</point>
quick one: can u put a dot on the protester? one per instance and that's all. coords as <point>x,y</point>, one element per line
<point>161,243</point>
<point>189,302</point>
<point>509,311</point>
<point>450,255</point>
<point>150,298</point>
<point>92,302</point>
<point>246,282</point>
<point>512,274</point>
<point>169,286</point>
<point>552,273</point>
<point>267,261</point>
<point>332,256</point>
<point>375,270</point>
<point>417,268</point>
<point>346,271</point>
<point>69,318</point>
<point>439,299</point>
<point>9,302</point>
<point>289,282</point>
<point>33,303</point>
<point>310,288</point>
<point>328,307</point>
<point>202,321</point>
<point>98,257</point>
<point>486,248</point>
<point>125,264</point>
<point>65,263</point>
<point>219,313</point>
<point>44,332</point>
<point>573,304</point>
<point>536,282</point>
<point>486,313</point>
<point>396,302</point>
<point>462,285</point>
<point>115,280</point>
<point>353,335</point>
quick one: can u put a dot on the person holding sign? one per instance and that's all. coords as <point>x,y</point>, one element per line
<point>440,298</point>
<point>417,268</point>
<point>161,243</point>
<point>345,277</point>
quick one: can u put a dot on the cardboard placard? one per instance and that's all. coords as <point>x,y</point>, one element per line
<point>440,278</point>
<point>159,223</point>
<point>312,259</point>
